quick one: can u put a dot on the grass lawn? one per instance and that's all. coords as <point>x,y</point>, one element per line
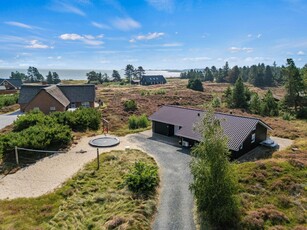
<point>90,200</point>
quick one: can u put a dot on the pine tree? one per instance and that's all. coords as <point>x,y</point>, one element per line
<point>215,184</point>
<point>294,85</point>
<point>269,107</point>
<point>268,76</point>
<point>49,78</point>
<point>233,74</point>
<point>255,104</point>
<point>55,78</point>
<point>238,95</point>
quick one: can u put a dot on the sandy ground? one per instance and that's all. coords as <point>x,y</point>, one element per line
<point>49,173</point>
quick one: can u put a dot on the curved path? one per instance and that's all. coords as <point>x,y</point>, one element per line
<point>175,209</point>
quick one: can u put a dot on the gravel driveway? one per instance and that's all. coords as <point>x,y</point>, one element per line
<point>7,119</point>
<point>175,210</point>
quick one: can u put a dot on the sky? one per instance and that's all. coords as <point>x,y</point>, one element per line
<point>155,34</point>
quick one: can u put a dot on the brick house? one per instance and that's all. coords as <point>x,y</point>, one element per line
<point>50,98</point>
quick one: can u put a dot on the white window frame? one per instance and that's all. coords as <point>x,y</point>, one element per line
<point>52,108</point>
<point>253,137</point>
<point>73,105</point>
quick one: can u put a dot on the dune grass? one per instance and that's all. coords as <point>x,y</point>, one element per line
<point>92,199</point>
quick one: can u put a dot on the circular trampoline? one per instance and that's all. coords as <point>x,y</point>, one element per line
<point>103,142</point>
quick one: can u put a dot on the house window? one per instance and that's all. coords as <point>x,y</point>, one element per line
<point>52,108</point>
<point>85,104</point>
<point>253,138</point>
<point>73,105</point>
<point>241,146</point>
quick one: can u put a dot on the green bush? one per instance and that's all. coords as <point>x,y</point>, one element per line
<point>80,119</point>
<point>143,121</point>
<point>6,100</point>
<point>29,119</point>
<point>130,105</point>
<point>216,102</point>
<point>40,136</point>
<point>160,92</point>
<point>135,122</point>
<point>195,84</point>
<point>142,178</point>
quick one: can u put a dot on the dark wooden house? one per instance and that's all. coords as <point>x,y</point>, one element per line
<point>243,133</point>
<point>152,80</point>
<point>11,84</point>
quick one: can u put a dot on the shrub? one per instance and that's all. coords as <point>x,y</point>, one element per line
<point>142,178</point>
<point>41,136</point>
<point>160,92</point>
<point>80,119</point>
<point>216,102</point>
<point>143,121</point>
<point>31,118</point>
<point>287,116</point>
<point>6,100</point>
<point>135,122</point>
<point>130,105</point>
<point>195,84</point>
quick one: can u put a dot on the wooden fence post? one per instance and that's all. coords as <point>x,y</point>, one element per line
<point>98,164</point>
<point>16,155</point>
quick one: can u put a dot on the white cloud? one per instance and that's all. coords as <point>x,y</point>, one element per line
<point>196,59</point>
<point>163,5</point>
<point>100,25</point>
<point>249,35</point>
<point>71,37</point>
<point>126,24</point>
<point>64,7</point>
<point>234,49</point>
<point>172,44</point>
<point>19,24</point>
<point>259,35</point>
<point>257,59</point>
<point>35,44</point>
<point>300,52</point>
<point>87,39</point>
<point>149,36</point>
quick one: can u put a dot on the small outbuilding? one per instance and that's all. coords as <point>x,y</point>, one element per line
<point>152,80</point>
<point>243,133</point>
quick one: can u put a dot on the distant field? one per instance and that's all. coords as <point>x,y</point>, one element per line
<point>90,200</point>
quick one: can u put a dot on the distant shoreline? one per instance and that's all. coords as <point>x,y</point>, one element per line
<point>80,74</point>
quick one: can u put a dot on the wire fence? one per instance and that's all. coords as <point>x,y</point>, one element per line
<point>24,156</point>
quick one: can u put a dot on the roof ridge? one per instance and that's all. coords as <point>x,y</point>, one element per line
<point>226,114</point>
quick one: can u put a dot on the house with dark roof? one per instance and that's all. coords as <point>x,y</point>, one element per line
<point>243,133</point>
<point>11,84</point>
<point>50,98</point>
<point>152,80</point>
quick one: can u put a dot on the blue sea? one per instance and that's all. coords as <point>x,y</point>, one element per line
<point>80,74</point>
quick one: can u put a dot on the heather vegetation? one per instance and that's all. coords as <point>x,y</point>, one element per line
<point>92,199</point>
